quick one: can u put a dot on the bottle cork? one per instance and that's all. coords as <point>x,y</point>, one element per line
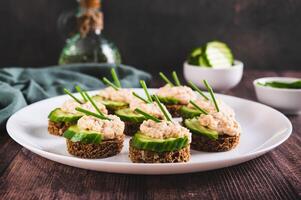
<point>94,4</point>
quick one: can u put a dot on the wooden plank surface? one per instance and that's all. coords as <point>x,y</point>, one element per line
<point>275,175</point>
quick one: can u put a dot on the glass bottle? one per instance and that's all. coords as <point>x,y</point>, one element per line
<point>89,44</point>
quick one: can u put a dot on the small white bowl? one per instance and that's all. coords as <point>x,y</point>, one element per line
<point>286,100</point>
<point>220,79</point>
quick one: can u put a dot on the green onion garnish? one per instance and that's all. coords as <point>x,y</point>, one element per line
<point>107,82</point>
<point>93,103</point>
<point>78,89</point>
<point>175,78</point>
<point>166,79</point>
<point>143,84</point>
<point>163,109</point>
<point>115,78</point>
<point>87,112</point>
<point>211,94</point>
<point>197,89</point>
<point>198,108</point>
<point>146,115</point>
<point>72,96</point>
<point>139,97</point>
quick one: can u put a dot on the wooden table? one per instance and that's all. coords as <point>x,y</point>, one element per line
<point>275,175</point>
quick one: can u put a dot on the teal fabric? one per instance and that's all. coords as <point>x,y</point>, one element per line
<point>22,86</point>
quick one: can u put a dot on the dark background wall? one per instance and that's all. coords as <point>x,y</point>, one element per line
<point>158,34</point>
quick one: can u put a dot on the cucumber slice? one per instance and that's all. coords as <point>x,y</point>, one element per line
<point>193,58</point>
<point>196,58</point>
<point>187,112</point>
<point>141,141</point>
<point>129,115</point>
<point>111,105</point>
<point>196,128</point>
<point>57,115</point>
<point>74,134</point>
<point>218,55</point>
<point>169,100</point>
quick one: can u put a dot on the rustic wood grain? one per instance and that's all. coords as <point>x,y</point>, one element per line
<point>275,175</point>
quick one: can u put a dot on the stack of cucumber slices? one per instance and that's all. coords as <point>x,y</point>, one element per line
<point>213,54</point>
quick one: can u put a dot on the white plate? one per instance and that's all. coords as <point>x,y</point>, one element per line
<point>263,128</point>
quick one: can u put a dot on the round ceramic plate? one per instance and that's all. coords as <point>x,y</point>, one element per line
<point>263,128</point>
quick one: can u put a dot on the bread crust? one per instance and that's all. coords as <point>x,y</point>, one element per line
<point>106,148</point>
<point>145,156</point>
<point>131,128</point>
<point>174,110</point>
<point>58,128</point>
<point>223,143</point>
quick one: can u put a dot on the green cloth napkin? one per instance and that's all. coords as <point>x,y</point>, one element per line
<point>22,86</point>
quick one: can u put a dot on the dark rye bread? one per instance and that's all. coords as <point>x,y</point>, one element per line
<point>105,149</point>
<point>223,143</point>
<point>58,128</point>
<point>145,156</point>
<point>131,128</point>
<point>174,110</point>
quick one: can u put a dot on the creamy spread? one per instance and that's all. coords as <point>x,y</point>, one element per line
<point>150,108</point>
<point>122,95</point>
<point>208,106</point>
<point>69,106</point>
<point>164,129</point>
<point>100,106</point>
<point>183,93</point>
<point>110,129</point>
<point>220,122</point>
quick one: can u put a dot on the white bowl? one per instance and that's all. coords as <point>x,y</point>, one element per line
<point>286,100</point>
<point>220,79</point>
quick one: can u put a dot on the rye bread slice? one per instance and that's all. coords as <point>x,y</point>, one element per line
<point>223,143</point>
<point>106,148</point>
<point>174,110</point>
<point>58,128</point>
<point>145,156</point>
<point>131,128</point>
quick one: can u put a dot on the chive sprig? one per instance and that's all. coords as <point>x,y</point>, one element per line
<point>146,115</point>
<point>198,108</point>
<point>193,86</point>
<point>116,85</point>
<point>211,94</point>
<point>93,103</point>
<point>89,113</point>
<point>175,78</point>
<point>143,84</point>
<point>139,97</point>
<point>72,96</point>
<point>79,90</point>
<point>115,78</point>
<point>163,109</point>
<point>109,83</point>
<point>166,79</point>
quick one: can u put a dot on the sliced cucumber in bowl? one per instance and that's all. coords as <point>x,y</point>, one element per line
<point>213,54</point>
<point>218,55</point>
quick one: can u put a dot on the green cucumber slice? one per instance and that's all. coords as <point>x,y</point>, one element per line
<point>218,54</point>
<point>194,126</point>
<point>168,100</point>
<point>129,115</point>
<point>144,142</point>
<point>187,112</point>
<point>193,58</point>
<point>57,115</point>
<point>111,105</point>
<point>74,134</point>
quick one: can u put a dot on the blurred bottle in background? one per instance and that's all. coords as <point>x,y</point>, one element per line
<point>86,42</point>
